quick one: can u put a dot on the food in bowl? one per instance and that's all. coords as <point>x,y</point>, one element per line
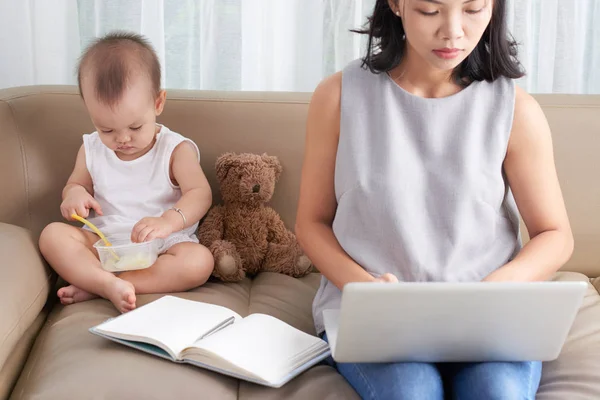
<point>125,255</point>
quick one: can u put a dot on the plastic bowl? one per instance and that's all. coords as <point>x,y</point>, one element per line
<point>124,255</point>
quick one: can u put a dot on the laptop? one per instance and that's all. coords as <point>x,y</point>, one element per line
<point>452,322</point>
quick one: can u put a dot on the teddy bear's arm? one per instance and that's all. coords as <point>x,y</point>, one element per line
<point>212,228</point>
<point>284,254</point>
<point>277,232</point>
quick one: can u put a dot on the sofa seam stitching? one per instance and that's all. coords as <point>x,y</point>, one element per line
<point>591,280</point>
<point>23,162</point>
<point>48,278</point>
<point>209,99</point>
<point>35,359</point>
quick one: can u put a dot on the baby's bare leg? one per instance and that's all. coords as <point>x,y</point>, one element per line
<point>69,250</point>
<point>183,267</point>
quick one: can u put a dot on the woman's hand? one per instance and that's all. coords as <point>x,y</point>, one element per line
<point>508,273</point>
<point>390,278</point>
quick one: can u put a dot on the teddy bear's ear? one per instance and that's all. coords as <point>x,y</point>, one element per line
<point>224,163</point>
<point>273,162</point>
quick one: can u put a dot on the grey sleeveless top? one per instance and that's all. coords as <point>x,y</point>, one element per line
<point>419,182</point>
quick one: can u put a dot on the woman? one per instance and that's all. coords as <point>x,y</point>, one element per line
<point>419,158</point>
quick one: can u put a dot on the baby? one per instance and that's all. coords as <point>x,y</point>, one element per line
<point>133,177</point>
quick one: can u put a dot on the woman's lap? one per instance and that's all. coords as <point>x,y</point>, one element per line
<point>493,380</point>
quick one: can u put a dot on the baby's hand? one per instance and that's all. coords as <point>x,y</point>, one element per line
<point>151,228</point>
<point>79,201</point>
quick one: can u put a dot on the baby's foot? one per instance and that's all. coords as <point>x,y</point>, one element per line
<point>122,294</point>
<point>72,294</point>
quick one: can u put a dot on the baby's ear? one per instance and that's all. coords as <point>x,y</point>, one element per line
<point>224,164</point>
<point>273,162</point>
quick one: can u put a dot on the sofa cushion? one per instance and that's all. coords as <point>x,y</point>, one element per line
<point>68,362</point>
<point>13,366</point>
<point>24,287</point>
<point>576,373</point>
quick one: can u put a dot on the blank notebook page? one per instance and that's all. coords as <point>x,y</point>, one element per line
<point>175,322</point>
<point>260,344</point>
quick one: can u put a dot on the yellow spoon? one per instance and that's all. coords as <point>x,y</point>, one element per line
<point>93,227</point>
<point>96,230</point>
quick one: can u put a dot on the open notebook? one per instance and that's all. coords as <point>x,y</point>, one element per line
<point>258,348</point>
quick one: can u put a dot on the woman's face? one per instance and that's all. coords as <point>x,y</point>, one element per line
<point>443,32</point>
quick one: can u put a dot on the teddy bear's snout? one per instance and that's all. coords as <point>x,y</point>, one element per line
<point>256,188</point>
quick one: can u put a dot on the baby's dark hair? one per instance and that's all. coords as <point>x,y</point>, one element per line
<point>112,60</point>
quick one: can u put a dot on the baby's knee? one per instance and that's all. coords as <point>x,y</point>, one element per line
<point>199,263</point>
<point>51,235</point>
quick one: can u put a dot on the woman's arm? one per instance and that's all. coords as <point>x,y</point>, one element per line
<point>317,203</point>
<point>531,173</point>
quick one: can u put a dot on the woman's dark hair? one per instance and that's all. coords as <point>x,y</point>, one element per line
<point>495,55</point>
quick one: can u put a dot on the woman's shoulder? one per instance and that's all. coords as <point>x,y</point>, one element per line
<point>332,84</point>
<point>524,99</point>
<point>328,91</point>
<point>528,114</point>
<point>354,80</point>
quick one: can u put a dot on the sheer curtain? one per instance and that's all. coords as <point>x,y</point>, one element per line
<point>39,42</point>
<point>281,45</point>
<point>559,44</point>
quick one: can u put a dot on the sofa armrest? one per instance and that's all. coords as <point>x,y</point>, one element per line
<point>24,285</point>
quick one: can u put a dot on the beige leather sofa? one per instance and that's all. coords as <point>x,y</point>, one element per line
<point>46,351</point>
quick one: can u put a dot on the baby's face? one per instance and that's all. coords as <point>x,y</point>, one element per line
<point>128,128</point>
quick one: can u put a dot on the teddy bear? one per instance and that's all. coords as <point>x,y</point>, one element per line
<point>244,235</point>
